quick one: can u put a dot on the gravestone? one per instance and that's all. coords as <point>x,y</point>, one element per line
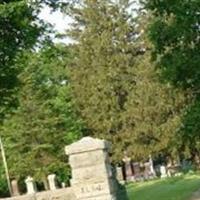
<point>15,188</point>
<point>128,171</point>
<point>147,170</point>
<point>163,171</point>
<point>52,182</point>
<point>119,173</point>
<point>137,171</point>
<point>91,170</point>
<point>63,184</point>
<point>30,185</point>
<point>153,173</point>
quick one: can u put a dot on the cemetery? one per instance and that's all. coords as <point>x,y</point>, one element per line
<point>94,178</point>
<point>99,99</point>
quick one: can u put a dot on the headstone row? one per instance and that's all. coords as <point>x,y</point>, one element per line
<point>135,171</point>
<point>93,176</point>
<point>31,185</point>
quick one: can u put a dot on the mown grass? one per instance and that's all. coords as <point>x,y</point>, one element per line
<point>178,188</point>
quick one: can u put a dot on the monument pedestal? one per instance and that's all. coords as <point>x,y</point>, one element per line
<point>91,170</point>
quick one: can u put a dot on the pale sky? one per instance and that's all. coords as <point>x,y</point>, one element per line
<point>57,19</point>
<point>61,22</point>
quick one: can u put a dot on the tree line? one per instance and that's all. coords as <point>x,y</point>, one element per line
<point>131,76</point>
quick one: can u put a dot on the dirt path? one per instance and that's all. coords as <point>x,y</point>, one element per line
<point>196,196</point>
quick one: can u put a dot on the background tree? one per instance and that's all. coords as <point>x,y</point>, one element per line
<point>101,75</point>
<point>175,35</point>
<point>45,121</point>
<point>117,90</point>
<point>21,31</point>
<point>152,114</point>
<point>17,32</point>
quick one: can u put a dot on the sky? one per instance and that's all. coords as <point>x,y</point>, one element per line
<point>61,22</point>
<point>57,19</point>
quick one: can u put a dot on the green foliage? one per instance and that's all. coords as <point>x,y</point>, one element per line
<point>174,33</point>
<point>102,73</point>
<point>189,133</point>
<point>17,32</point>
<point>117,90</point>
<point>3,183</point>
<point>152,113</point>
<point>45,120</point>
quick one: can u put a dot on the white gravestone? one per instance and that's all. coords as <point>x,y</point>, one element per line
<point>52,182</point>
<point>63,184</point>
<point>91,170</point>
<point>163,171</point>
<point>119,175</point>
<point>153,173</point>
<point>30,185</point>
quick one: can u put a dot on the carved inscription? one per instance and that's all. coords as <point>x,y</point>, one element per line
<point>93,188</point>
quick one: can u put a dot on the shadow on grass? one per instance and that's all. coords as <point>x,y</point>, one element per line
<point>122,192</point>
<point>179,188</point>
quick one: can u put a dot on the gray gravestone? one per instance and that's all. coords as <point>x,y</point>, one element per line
<point>91,170</point>
<point>128,168</point>
<point>119,174</point>
<point>153,173</point>
<point>147,170</point>
<point>137,171</point>
<point>15,188</point>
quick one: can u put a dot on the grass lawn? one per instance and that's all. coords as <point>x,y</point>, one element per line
<point>178,188</point>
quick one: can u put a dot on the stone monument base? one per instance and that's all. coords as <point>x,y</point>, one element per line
<point>103,197</point>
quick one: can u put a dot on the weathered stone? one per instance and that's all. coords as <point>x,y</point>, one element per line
<point>137,171</point>
<point>163,171</point>
<point>15,188</point>
<point>30,185</point>
<point>89,159</point>
<point>90,190</point>
<point>91,170</point>
<point>119,175</point>
<point>90,173</point>
<point>52,182</point>
<point>93,177</point>
<point>59,194</point>
<point>128,168</point>
<point>87,144</point>
<point>63,184</point>
<point>147,170</point>
<point>153,173</point>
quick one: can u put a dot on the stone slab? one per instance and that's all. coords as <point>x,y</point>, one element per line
<point>96,172</point>
<point>60,194</point>
<point>87,144</point>
<point>93,190</point>
<point>88,159</point>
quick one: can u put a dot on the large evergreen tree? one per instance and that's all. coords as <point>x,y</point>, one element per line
<point>117,90</point>
<point>152,114</point>
<point>102,76</point>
